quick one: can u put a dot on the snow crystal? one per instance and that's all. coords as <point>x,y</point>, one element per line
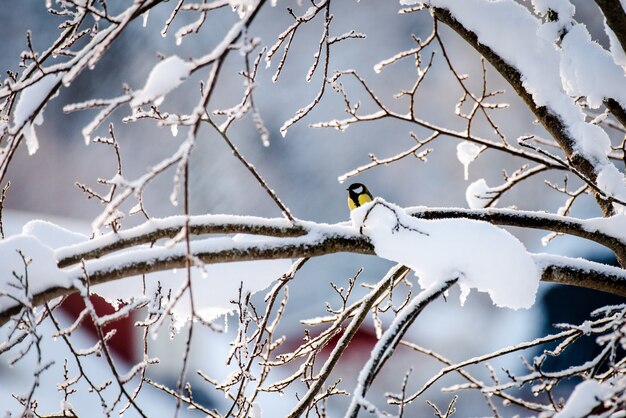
<point>585,397</point>
<point>467,152</point>
<point>482,256</point>
<point>164,77</point>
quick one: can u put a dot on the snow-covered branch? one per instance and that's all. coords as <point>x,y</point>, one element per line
<point>278,239</point>
<point>600,230</point>
<point>553,108</point>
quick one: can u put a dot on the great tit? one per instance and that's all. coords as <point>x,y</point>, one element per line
<point>358,195</point>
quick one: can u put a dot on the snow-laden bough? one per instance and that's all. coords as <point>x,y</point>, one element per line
<point>481,255</point>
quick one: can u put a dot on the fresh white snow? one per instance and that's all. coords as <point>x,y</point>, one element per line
<point>579,67</point>
<point>477,194</point>
<point>585,397</point>
<point>164,77</point>
<point>482,256</point>
<point>467,152</point>
<point>31,99</point>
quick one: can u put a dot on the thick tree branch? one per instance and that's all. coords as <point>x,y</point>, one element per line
<point>156,229</point>
<point>550,121</point>
<point>316,243</point>
<point>528,219</point>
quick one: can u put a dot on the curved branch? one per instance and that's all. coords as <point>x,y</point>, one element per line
<point>548,119</point>
<point>388,342</point>
<point>587,229</point>
<point>319,241</point>
<point>615,18</point>
<point>156,229</point>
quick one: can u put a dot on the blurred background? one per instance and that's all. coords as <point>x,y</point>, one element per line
<point>303,169</point>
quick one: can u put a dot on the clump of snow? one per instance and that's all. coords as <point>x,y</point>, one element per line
<point>611,181</point>
<point>242,7</point>
<point>477,194</point>
<point>592,142</point>
<point>563,8</point>
<point>618,54</point>
<point>585,397</point>
<point>164,77</point>
<point>588,70</point>
<point>553,29</point>
<point>52,235</point>
<point>36,243</point>
<point>482,256</point>
<point>467,152</point>
<point>614,225</point>
<point>31,99</point>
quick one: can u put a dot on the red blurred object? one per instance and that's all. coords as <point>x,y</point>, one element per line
<point>123,343</point>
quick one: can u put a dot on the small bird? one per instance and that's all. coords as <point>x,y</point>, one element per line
<point>358,195</point>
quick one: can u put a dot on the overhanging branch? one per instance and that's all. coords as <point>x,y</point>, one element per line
<point>550,121</point>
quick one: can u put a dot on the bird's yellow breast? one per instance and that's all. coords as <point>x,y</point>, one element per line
<point>364,198</point>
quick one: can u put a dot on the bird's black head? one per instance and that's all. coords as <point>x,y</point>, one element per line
<point>357,188</point>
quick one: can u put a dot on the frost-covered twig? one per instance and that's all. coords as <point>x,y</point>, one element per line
<point>44,82</point>
<point>384,348</point>
<point>385,161</point>
<point>385,112</point>
<point>77,357</point>
<point>564,335</point>
<point>366,304</point>
<point>551,120</point>
<point>102,337</point>
<point>254,171</point>
<point>3,196</point>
